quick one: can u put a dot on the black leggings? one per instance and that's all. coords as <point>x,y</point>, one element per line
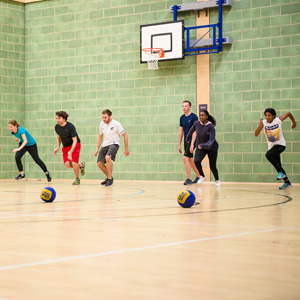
<point>33,151</point>
<point>273,156</point>
<point>212,156</point>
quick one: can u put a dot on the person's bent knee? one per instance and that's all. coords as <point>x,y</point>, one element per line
<point>185,158</point>
<point>68,164</point>
<point>191,159</point>
<point>268,155</point>
<point>197,161</point>
<point>100,163</point>
<point>107,158</point>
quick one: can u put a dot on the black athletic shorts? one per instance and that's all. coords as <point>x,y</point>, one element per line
<point>187,152</point>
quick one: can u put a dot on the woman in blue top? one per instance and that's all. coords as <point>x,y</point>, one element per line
<point>26,143</point>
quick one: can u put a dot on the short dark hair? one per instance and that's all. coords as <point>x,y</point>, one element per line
<point>187,101</point>
<point>107,112</point>
<point>271,111</point>
<point>62,114</point>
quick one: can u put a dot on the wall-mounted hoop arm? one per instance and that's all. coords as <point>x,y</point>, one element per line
<point>216,45</point>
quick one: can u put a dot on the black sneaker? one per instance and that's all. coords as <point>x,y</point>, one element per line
<point>196,180</point>
<point>188,181</point>
<point>104,182</point>
<point>20,176</point>
<point>48,177</point>
<point>109,182</point>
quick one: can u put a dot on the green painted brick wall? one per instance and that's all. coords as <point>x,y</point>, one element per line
<point>82,56</point>
<point>12,88</point>
<point>260,70</point>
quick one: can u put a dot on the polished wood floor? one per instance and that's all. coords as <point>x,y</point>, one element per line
<point>133,241</point>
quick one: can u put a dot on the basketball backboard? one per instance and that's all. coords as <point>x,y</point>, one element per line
<point>169,36</point>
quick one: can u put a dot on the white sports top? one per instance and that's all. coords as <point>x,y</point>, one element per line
<point>111,132</point>
<point>274,133</point>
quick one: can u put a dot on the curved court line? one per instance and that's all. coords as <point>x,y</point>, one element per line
<point>64,259</point>
<point>16,214</point>
<point>209,211</point>
<point>141,191</point>
<point>257,206</point>
<point>58,211</point>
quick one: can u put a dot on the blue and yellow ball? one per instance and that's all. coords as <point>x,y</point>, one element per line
<point>186,198</point>
<point>48,194</point>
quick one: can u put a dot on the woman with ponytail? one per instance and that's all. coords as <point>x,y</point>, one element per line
<point>203,138</point>
<point>26,143</point>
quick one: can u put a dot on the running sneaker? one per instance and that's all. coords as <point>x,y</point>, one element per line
<point>82,169</point>
<point>20,176</point>
<point>201,179</point>
<point>109,182</point>
<point>285,186</point>
<point>196,180</point>
<point>188,182</point>
<point>280,176</point>
<point>48,177</point>
<point>218,182</point>
<point>76,182</point>
<point>104,182</point>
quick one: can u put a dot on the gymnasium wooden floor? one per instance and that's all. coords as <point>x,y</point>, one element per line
<point>133,241</point>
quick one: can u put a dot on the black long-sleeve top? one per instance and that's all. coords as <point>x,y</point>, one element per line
<point>206,136</point>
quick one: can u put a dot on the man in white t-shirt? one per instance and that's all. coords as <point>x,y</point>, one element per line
<point>109,131</point>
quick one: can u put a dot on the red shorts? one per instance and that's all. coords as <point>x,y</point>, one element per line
<point>75,154</point>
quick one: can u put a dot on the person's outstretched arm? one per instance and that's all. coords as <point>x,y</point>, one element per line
<point>259,128</point>
<point>288,114</point>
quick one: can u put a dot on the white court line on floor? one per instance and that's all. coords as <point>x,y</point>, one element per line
<point>65,259</point>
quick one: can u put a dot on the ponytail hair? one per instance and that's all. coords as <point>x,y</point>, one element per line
<point>14,123</point>
<point>210,118</point>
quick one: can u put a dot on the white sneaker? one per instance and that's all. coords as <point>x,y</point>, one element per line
<point>201,179</point>
<point>218,182</point>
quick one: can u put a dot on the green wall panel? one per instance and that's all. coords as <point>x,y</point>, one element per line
<point>262,38</point>
<point>12,80</point>
<point>82,56</point>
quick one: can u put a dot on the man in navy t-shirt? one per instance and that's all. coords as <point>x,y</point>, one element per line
<point>186,122</point>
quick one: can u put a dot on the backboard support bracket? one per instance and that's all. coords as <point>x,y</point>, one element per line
<point>214,45</point>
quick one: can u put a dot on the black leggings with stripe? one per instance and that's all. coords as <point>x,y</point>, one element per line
<point>273,156</point>
<point>33,151</point>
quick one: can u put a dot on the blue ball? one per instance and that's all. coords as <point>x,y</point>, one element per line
<point>186,198</point>
<point>48,194</point>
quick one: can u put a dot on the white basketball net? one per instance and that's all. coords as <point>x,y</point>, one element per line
<point>152,64</point>
<point>152,56</point>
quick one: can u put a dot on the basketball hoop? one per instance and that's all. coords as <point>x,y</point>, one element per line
<point>152,56</point>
